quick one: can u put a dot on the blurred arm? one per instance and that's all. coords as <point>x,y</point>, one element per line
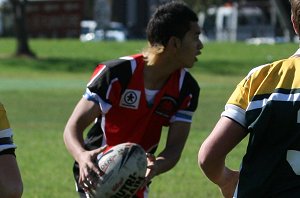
<point>10,178</point>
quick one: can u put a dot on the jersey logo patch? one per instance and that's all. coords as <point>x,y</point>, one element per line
<point>167,107</point>
<point>130,99</point>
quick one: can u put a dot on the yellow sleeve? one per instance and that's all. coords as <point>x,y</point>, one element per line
<point>240,95</point>
<point>4,123</point>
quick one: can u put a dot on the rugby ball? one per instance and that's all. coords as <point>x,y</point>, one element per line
<point>123,168</point>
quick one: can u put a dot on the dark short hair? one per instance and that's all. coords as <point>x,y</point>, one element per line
<point>170,19</point>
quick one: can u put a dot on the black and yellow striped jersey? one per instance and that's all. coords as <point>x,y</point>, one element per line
<point>267,103</point>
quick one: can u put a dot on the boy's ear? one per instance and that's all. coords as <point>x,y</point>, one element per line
<point>174,42</point>
<point>295,26</point>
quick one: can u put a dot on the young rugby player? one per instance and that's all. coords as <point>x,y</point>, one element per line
<point>133,97</point>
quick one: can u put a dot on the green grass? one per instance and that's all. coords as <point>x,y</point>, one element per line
<point>40,94</point>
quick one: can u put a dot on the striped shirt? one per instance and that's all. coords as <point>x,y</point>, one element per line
<point>267,103</point>
<point>118,87</point>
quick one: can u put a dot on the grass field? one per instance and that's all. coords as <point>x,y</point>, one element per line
<point>40,94</point>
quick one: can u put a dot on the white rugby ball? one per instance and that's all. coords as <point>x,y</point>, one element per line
<point>123,168</point>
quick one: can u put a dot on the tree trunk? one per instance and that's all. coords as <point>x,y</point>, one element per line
<point>19,11</point>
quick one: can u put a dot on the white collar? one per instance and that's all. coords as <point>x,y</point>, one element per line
<point>297,53</point>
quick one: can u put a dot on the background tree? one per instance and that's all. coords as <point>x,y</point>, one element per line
<point>19,12</point>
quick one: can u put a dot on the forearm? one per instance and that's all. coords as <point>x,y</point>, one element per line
<point>213,166</point>
<point>83,115</point>
<point>163,165</point>
<point>218,173</point>
<point>11,184</point>
<point>212,153</point>
<point>214,169</point>
<point>177,136</point>
<point>165,161</point>
<point>73,142</point>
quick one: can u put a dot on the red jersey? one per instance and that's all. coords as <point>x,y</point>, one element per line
<point>118,87</point>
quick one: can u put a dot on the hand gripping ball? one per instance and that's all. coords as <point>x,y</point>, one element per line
<point>123,168</point>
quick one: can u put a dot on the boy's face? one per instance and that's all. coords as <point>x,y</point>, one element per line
<point>190,46</point>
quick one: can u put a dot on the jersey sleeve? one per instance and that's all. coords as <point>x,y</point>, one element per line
<point>239,100</point>
<point>98,86</point>
<point>188,99</point>
<point>236,105</point>
<point>107,82</point>
<point>6,134</point>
